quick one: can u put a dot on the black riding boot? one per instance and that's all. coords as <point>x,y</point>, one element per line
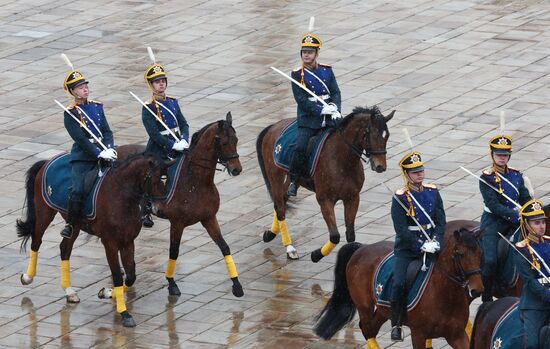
<point>147,210</point>
<point>488,283</point>
<point>75,214</point>
<point>296,169</point>
<point>397,312</point>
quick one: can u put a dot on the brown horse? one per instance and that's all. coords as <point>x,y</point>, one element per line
<point>488,314</point>
<point>117,222</point>
<point>339,174</point>
<point>196,197</point>
<point>441,312</point>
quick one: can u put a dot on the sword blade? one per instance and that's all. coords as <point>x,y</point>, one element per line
<point>155,116</point>
<point>301,86</point>
<point>490,186</point>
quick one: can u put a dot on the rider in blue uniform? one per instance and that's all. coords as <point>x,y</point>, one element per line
<point>85,151</point>
<point>166,108</point>
<point>318,78</point>
<point>423,202</point>
<point>534,304</point>
<point>500,214</point>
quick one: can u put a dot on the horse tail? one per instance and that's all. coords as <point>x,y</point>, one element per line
<point>481,313</point>
<point>340,308</point>
<point>25,227</point>
<point>261,162</point>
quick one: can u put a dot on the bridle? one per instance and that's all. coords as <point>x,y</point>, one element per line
<point>222,159</point>
<point>461,277</point>
<point>146,188</point>
<point>366,154</point>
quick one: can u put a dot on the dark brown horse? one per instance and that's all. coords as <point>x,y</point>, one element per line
<point>488,314</point>
<point>196,197</point>
<point>339,174</point>
<point>441,312</point>
<point>117,222</point>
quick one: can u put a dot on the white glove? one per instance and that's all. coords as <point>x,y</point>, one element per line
<point>107,155</point>
<point>180,145</point>
<point>329,109</point>
<point>436,245</point>
<point>112,152</point>
<point>336,115</point>
<point>428,247</point>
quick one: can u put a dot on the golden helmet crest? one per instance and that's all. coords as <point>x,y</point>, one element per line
<point>74,79</point>
<point>155,72</point>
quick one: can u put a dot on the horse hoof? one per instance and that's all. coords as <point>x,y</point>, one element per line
<point>269,235</point>
<point>105,293</point>
<point>316,256</point>
<point>238,289</point>
<point>26,279</point>
<point>127,320</point>
<point>72,298</point>
<point>173,290</point>
<point>291,253</point>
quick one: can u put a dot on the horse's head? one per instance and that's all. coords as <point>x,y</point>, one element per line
<point>374,134</point>
<point>226,146</point>
<point>466,254</point>
<point>154,182</point>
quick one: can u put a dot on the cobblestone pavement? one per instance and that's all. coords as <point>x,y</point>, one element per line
<point>447,67</point>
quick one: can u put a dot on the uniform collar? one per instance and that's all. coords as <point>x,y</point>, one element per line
<point>416,188</point>
<point>80,101</point>
<point>159,97</point>
<point>501,170</point>
<point>535,239</point>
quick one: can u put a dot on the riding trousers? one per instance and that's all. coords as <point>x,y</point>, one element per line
<point>399,291</point>
<point>78,172</point>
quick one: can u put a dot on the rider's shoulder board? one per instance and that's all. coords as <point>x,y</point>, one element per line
<point>521,244</point>
<point>488,171</point>
<point>96,102</point>
<point>430,186</point>
<point>401,191</point>
<point>325,65</point>
<point>513,170</point>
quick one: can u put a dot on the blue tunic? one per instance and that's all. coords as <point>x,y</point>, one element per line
<point>160,142</point>
<point>320,81</point>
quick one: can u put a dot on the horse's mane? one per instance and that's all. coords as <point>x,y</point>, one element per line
<point>197,135</point>
<point>376,117</point>
<point>129,159</point>
<point>468,239</point>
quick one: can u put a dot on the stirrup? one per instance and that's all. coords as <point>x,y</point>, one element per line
<point>148,221</point>
<point>397,334</point>
<point>67,231</point>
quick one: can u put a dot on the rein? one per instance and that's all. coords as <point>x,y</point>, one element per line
<point>221,158</point>
<point>365,154</point>
<point>146,187</point>
<point>462,278</point>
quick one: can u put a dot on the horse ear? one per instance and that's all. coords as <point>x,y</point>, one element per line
<point>390,116</point>
<point>229,118</point>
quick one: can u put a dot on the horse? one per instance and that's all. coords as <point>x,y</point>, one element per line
<point>117,222</point>
<point>487,317</point>
<point>196,198</point>
<point>339,174</point>
<point>441,312</point>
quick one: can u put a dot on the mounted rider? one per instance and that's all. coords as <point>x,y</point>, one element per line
<point>423,203</point>
<point>499,214</point>
<point>167,109</point>
<point>534,303</point>
<point>86,151</point>
<point>318,78</point>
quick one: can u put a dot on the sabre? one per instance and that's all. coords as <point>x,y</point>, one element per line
<point>319,99</point>
<point>405,208</point>
<point>81,124</point>
<point>156,117</point>
<point>490,186</point>
<point>528,261</point>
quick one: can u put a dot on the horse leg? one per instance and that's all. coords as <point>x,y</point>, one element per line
<point>111,251</point>
<point>66,247</point>
<point>370,326</point>
<point>127,254</point>
<point>176,231</point>
<point>460,341</point>
<point>213,228</point>
<point>44,216</point>
<point>327,209</point>
<point>350,211</point>
<point>418,339</point>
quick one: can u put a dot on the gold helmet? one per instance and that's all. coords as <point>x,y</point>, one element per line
<point>311,41</point>
<point>155,71</point>
<point>74,78</point>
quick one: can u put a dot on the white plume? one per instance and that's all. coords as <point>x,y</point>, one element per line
<point>502,121</point>
<point>529,186</point>
<point>67,61</point>
<point>408,137</point>
<point>311,24</point>
<point>151,55</point>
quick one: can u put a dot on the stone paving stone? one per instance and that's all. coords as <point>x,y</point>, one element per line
<point>447,67</point>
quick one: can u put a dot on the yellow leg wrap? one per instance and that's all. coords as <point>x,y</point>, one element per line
<point>125,288</point>
<point>170,268</point>
<point>285,236</point>
<point>429,343</point>
<point>327,248</point>
<point>469,328</point>
<point>118,294</point>
<point>65,274</point>
<point>275,229</point>
<point>31,269</point>
<point>372,344</point>
<point>231,268</point>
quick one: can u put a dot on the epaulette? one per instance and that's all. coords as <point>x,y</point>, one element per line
<point>431,186</point>
<point>488,171</point>
<point>513,170</point>
<point>297,70</point>
<point>325,65</point>
<point>167,97</point>
<point>96,102</point>
<point>546,237</point>
<point>521,244</point>
<point>401,191</point>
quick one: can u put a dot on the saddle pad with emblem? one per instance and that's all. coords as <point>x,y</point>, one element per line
<point>173,176</point>
<point>286,143</point>
<point>508,332</point>
<point>56,186</point>
<point>383,281</point>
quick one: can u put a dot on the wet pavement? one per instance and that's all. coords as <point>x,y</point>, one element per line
<point>447,67</point>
